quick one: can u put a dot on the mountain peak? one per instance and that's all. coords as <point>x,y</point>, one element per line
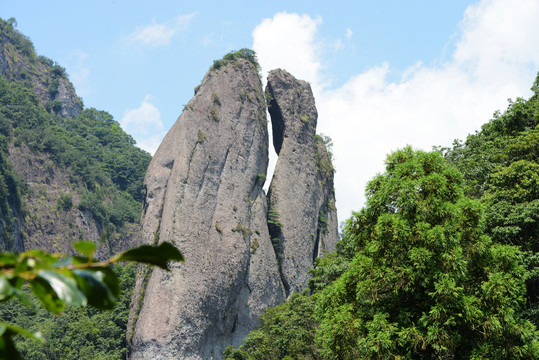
<point>19,61</point>
<point>204,193</point>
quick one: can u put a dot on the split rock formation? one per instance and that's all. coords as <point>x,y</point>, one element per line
<point>204,194</point>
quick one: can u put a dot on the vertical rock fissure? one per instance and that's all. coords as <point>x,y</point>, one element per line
<point>316,245</point>
<point>322,228</point>
<point>277,122</point>
<point>275,233</point>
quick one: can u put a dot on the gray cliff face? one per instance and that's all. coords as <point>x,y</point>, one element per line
<point>204,194</point>
<point>301,197</point>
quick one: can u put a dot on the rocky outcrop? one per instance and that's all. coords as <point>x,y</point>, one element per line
<point>204,194</point>
<point>18,61</point>
<point>303,219</point>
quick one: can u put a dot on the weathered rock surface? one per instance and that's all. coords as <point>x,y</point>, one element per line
<point>48,227</point>
<point>301,193</point>
<point>204,193</point>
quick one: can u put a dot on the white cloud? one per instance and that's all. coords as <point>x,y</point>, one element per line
<point>349,33</point>
<point>289,39</point>
<point>496,56</point>
<point>151,143</point>
<point>142,121</point>
<point>158,34</point>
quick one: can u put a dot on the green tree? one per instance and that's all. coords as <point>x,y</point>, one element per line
<point>500,167</point>
<point>287,332</point>
<point>78,332</point>
<point>425,282</point>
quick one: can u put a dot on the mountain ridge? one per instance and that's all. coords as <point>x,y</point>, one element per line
<point>71,173</point>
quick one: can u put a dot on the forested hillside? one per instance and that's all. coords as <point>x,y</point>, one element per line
<point>440,263</point>
<point>66,174</point>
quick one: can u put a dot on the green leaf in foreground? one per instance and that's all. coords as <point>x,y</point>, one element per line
<point>8,259</point>
<point>64,287</point>
<point>46,295</point>
<point>7,346</point>
<point>154,255</point>
<point>6,290</point>
<point>58,280</point>
<point>100,286</point>
<point>85,247</point>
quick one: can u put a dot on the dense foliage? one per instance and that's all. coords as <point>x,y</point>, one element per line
<point>78,332</point>
<point>11,188</point>
<point>425,282</point>
<point>500,167</point>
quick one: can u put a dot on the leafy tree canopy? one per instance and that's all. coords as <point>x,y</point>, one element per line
<point>425,281</point>
<point>500,167</point>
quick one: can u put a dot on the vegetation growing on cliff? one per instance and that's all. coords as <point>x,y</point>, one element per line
<point>232,56</point>
<point>94,148</point>
<point>324,156</point>
<point>105,168</point>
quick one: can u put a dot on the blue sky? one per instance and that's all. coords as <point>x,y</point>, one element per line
<point>384,73</point>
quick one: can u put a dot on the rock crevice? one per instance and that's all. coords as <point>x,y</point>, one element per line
<point>204,194</point>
